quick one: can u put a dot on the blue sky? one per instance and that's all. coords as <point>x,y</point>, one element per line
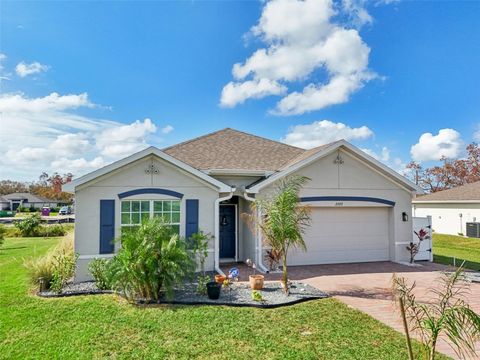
<point>80,79</point>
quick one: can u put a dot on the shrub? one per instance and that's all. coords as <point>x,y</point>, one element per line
<point>21,209</point>
<point>30,225</point>
<point>52,230</point>
<point>32,209</point>
<point>150,262</point>
<point>3,231</point>
<point>55,268</point>
<point>99,268</point>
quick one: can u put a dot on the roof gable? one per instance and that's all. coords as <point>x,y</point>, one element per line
<point>467,192</point>
<point>230,149</point>
<point>317,153</point>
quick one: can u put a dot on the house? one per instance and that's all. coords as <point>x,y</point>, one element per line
<point>361,209</point>
<point>15,200</point>
<point>450,209</point>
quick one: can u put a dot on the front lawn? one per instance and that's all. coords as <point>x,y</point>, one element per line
<point>447,247</point>
<point>105,326</point>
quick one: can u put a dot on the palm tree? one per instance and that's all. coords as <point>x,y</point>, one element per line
<point>282,219</point>
<point>449,315</point>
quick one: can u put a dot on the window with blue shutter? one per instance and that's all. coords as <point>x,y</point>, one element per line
<point>191,221</point>
<point>107,226</point>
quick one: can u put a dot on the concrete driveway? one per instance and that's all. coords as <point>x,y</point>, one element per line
<point>366,287</point>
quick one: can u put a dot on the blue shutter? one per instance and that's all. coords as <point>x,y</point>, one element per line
<point>191,221</point>
<point>107,226</point>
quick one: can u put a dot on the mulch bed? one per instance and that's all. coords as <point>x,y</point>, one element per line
<point>237,294</point>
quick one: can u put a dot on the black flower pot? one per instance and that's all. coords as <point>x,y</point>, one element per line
<point>213,290</point>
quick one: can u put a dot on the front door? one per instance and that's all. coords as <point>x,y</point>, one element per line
<point>227,231</point>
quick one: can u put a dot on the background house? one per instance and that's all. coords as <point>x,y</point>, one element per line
<point>450,209</point>
<point>15,200</point>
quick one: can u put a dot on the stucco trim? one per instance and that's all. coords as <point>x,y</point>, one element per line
<point>150,191</point>
<point>347,198</point>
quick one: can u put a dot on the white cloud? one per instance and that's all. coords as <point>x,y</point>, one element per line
<point>23,69</point>
<point>236,93</point>
<point>74,166</point>
<point>383,156</point>
<point>167,129</point>
<point>124,140</point>
<point>302,37</point>
<point>446,143</point>
<point>44,134</point>
<point>53,102</point>
<point>324,132</point>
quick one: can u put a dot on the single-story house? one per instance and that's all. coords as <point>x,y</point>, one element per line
<point>450,209</point>
<point>15,200</point>
<point>361,209</point>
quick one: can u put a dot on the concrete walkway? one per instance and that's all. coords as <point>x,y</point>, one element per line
<point>366,287</point>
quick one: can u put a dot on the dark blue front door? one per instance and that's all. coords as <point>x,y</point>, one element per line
<point>227,231</point>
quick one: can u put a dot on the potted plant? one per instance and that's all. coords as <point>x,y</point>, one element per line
<point>256,281</point>
<point>213,290</point>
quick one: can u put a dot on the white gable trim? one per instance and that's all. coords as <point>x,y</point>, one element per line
<point>71,186</point>
<point>365,158</point>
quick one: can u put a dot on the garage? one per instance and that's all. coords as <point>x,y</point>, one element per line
<point>345,235</point>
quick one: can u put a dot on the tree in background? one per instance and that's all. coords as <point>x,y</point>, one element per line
<point>50,186</point>
<point>10,186</point>
<point>450,174</point>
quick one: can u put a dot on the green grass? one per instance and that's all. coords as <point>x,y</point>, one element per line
<point>105,326</point>
<point>447,247</point>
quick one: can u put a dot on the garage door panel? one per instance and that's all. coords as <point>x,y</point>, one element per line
<point>340,235</point>
<point>346,243</point>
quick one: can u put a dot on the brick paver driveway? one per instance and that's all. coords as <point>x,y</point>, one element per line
<point>366,287</point>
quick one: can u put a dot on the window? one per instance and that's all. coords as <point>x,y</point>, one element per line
<point>136,211</point>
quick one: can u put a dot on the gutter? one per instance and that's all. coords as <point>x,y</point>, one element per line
<point>216,260</point>
<point>258,242</point>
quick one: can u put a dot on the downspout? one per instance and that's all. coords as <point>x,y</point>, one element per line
<point>258,242</point>
<point>217,231</point>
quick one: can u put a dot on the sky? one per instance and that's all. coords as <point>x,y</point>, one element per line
<point>83,84</point>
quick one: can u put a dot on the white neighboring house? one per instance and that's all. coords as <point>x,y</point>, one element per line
<point>361,208</point>
<point>450,209</point>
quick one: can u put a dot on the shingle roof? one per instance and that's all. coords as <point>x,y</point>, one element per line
<point>234,150</point>
<point>461,193</point>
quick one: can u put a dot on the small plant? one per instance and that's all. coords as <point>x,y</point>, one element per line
<point>202,281</point>
<point>413,247</point>
<point>448,315</point>
<point>99,270</point>
<point>30,225</point>
<point>257,295</point>
<point>199,246</point>
<point>64,269</point>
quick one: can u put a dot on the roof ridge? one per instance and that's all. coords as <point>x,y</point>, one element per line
<point>264,138</point>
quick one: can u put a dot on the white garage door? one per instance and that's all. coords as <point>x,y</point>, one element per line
<point>343,235</point>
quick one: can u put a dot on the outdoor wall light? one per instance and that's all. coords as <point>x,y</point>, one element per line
<point>404,216</point>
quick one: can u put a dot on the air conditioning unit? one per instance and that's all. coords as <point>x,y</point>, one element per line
<point>473,229</point>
